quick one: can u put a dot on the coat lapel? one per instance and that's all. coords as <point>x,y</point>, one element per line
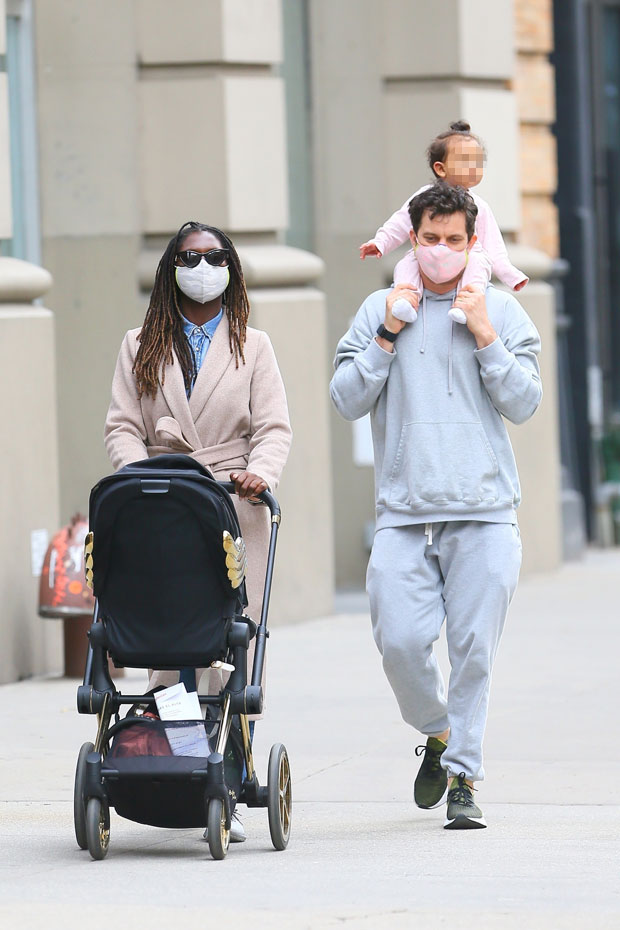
<point>217,360</point>
<point>173,390</point>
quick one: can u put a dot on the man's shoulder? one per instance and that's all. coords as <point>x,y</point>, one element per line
<point>500,299</point>
<point>377,299</point>
<point>373,307</point>
<point>505,311</point>
<point>364,325</point>
<point>378,296</point>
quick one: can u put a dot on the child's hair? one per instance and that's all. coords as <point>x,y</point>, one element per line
<point>438,149</point>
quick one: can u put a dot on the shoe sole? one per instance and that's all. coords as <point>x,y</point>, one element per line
<point>462,822</point>
<point>431,807</point>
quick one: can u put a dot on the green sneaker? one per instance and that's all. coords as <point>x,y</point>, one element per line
<point>462,813</point>
<point>431,784</point>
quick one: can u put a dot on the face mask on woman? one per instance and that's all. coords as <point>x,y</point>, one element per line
<point>439,262</point>
<point>204,282</point>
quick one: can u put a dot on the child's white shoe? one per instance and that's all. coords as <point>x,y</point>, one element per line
<point>403,311</point>
<point>456,314</point>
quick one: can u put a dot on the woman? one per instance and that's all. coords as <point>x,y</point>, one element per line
<point>196,379</point>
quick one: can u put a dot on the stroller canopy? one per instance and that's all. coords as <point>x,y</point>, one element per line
<point>159,563</point>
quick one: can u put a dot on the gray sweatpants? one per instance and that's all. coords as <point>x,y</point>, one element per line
<point>467,576</point>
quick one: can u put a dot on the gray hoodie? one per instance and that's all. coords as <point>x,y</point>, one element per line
<point>441,447</point>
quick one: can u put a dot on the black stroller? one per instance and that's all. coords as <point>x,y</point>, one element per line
<point>166,561</point>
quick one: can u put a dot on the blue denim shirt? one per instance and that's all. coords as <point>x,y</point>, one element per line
<point>199,338</point>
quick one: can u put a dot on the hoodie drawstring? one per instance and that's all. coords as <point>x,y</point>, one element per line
<point>451,351</point>
<point>428,532</point>
<point>450,355</point>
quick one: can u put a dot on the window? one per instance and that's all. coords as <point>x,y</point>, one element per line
<point>19,67</point>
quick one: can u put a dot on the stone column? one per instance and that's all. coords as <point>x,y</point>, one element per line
<point>349,150</point>
<point>406,71</point>
<point>88,131</point>
<point>212,149</point>
<point>28,470</point>
<point>211,111</point>
<point>292,310</point>
<point>153,113</point>
<point>536,443</point>
<point>462,68</point>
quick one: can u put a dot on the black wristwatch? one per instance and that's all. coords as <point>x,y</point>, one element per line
<point>384,333</point>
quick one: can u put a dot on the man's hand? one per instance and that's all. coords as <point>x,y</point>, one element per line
<point>369,248</point>
<point>473,304</point>
<point>409,293</point>
<point>248,485</point>
<point>390,322</point>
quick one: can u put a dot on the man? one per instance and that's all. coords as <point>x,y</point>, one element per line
<point>446,542</point>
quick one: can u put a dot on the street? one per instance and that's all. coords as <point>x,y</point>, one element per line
<point>361,854</point>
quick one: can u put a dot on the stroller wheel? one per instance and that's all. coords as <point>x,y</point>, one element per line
<point>79,801</point>
<point>279,796</point>
<point>218,836</point>
<point>98,828</point>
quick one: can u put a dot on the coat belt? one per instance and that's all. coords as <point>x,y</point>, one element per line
<point>232,453</point>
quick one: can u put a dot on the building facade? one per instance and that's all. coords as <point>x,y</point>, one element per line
<point>298,126</point>
<point>405,71</point>
<point>143,115</point>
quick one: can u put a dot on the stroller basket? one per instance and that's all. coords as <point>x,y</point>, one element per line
<point>143,770</point>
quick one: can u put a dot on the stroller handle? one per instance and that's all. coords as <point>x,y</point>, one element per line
<point>261,634</point>
<point>265,497</point>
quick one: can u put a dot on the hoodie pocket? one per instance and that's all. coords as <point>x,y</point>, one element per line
<point>440,463</point>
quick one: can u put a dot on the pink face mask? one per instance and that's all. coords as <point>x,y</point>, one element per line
<point>439,262</point>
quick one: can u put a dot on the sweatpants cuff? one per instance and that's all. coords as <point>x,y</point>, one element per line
<point>477,777</point>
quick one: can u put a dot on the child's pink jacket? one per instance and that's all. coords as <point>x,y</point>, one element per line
<point>396,230</point>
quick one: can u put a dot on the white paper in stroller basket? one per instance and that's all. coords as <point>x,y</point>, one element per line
<point>177,704</point>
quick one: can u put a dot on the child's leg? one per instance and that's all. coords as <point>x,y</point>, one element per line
<point>477,273</point>
<point>407,271</point>
<point>478,269</point>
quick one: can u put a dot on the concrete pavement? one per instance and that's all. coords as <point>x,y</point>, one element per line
<point>361,855</point>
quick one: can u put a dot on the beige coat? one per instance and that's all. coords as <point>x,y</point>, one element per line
<point>235,419</point>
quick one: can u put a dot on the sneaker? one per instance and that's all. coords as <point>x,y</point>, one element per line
<point>237,831</point>
<point>462,813</point>
<point>431,784</point>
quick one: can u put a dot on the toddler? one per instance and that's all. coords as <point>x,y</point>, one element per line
<point>455,156</point>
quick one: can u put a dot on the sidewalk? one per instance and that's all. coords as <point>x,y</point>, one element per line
<point>361,855</point>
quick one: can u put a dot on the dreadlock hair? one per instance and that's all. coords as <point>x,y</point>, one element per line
<point>438,149</point>
<point>162,333</point>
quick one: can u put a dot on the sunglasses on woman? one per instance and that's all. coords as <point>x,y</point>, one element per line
<point>192,259</point>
